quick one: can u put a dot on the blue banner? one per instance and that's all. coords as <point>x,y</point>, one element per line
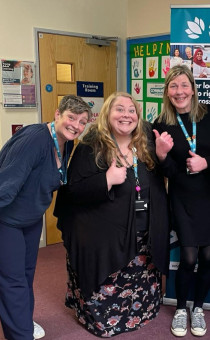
<point>190,25</point>
<point>190,36</point>
<point>190,44</point>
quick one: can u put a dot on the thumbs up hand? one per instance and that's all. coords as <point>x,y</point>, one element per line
<point>115,175</point>
<point>164,144</point>
<point>196,163</point>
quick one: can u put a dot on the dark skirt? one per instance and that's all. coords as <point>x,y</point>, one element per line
<point>126,301</point>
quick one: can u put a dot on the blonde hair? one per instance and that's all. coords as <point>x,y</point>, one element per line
<point>188,48</point>
<point>168,114</point>
<point>99,135</point>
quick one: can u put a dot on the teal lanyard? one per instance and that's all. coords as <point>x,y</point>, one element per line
<point>135,168</point>
<point>191,141</point>
<point>62,173</point>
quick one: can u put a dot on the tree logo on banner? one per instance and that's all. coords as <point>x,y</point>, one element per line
<point>195,28</point>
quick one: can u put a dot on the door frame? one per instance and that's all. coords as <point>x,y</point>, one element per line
<point>38,84</point>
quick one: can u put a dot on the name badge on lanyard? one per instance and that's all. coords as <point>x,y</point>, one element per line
<point>139,203</point>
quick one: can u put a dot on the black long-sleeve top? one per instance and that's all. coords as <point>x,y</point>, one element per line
<point>189,194</point>
<point>98,227</point>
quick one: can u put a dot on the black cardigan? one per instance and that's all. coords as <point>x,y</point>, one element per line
<point>189,195</point>
<point>98,227</point>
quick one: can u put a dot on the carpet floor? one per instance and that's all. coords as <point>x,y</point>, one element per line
<point>59,322</point>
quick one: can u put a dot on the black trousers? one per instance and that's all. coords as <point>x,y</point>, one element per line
<point>18,256</point>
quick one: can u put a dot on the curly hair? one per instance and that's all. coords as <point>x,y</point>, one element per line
<point>99,135</point>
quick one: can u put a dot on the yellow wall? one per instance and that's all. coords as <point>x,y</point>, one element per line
<point>113,18</point>
<point>150,17</point>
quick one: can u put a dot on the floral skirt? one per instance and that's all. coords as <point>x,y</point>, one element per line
<point>126,301</point>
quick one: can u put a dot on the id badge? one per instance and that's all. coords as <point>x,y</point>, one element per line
<point>141,205</point>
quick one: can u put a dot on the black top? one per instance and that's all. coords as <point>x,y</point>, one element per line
<point>99,227</point>
<point>189,194</point>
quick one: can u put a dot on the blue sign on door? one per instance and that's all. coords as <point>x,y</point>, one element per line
<point>90,89</point>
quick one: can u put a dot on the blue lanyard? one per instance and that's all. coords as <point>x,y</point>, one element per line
<point>62,173</point>
<point>135,168</point>
<point>191,141</point>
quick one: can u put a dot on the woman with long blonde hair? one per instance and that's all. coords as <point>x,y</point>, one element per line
<point>114,221</point>
<point>183,148</point>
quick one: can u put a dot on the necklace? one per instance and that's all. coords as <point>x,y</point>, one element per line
<point>124,156</point>
<point>134,167</point>
<point>139,204</point>
<point>121,154</point>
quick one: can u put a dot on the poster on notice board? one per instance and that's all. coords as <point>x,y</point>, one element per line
<point>148,62</point>
<point>18,84</point>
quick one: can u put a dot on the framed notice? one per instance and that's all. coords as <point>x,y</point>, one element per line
<point>148,61</point>
<point>18,84</point>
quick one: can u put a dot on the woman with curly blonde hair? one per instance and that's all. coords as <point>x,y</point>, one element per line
<point>101,138</point>
<point>114,220</point>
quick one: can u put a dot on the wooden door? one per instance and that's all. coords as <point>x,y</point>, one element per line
<point>88,63</point>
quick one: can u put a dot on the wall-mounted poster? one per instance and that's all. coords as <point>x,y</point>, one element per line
<point>148,61</point>
<point>18,84</point>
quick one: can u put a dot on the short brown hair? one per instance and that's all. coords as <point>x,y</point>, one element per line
<point>75,104</point>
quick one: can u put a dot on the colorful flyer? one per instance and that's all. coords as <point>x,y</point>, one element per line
<point>18,84</point>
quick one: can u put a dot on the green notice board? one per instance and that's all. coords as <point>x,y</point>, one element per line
<point>148,61</point>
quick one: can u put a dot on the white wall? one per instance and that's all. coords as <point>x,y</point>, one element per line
<point>19,18</point>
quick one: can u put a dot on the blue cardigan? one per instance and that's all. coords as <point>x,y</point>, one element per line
<point>28,175</point>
